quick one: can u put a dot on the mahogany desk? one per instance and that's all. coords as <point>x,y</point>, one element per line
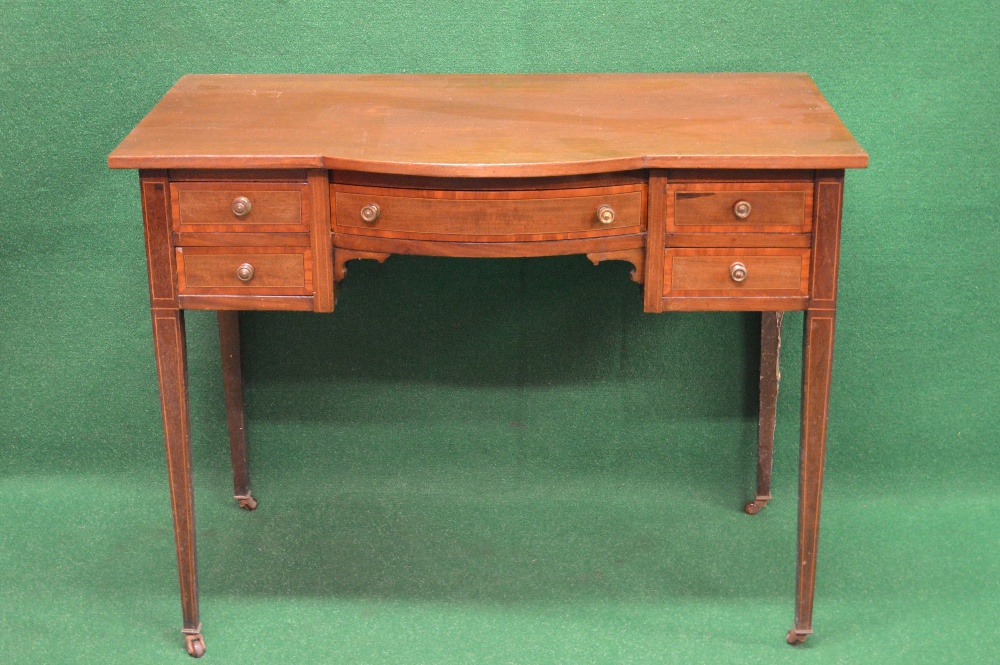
<point>722,190</point>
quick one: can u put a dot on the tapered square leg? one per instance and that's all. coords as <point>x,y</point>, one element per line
<point>232,379</point>
<point>817,364</point>
<point>171,366</point>
<point>770,375</point>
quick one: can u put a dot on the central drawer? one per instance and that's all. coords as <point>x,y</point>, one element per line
<point>488,216</point>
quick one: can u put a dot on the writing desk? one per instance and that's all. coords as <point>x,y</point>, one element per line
<point>722,190</point>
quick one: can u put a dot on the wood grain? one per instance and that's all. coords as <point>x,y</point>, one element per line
<point>738,239</point>
<point>247,302</point>
<point>705,272</point>
<point>159,247</point>
<point>319,221</point>
<point>479,125</point>
<point>488,249</point>
<point>171,367</point>
<point>776,207</point>
<point>488,216</point>
<point>212,270</point>
<point>207,207</point>
<point>232,381</point>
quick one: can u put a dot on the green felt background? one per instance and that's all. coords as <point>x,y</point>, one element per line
<point>501,461</point>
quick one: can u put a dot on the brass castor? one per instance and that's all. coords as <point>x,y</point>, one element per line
<point>246,502</point>
<point>195,645</point>
<point>755,506</point>
<point>796,638</point>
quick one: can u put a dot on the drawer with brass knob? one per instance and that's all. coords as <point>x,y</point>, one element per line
<point>736,273</point>
<point>740,207</point>
<point>264,207</point>
<point>488,216</point>
<point>244,270</point>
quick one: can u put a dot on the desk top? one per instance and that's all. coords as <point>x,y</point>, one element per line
<point>522,125</point>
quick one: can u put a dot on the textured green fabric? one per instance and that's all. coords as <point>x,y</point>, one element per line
<point>501,461</point>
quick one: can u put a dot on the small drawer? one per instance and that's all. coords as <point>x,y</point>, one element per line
<point>222,207</point>
<point>776,207</point>
<point>495,216</point>
<point>248,270</point>
<point>736,272</point>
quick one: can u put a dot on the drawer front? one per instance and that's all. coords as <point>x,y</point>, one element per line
<point>779,207</point>
<point>488,216</point>
<point>736,272</point>
<point>248,270</point>
<point>239,206</point>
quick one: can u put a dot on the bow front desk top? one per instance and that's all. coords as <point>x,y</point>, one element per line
<point>724,191</point>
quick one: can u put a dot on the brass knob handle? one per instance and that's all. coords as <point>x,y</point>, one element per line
<point>241,206</point>
<point>245,272</point>
<point>605,214</point>
<point>742,209</point>
<point>370,212</point>
<point>738,272</point>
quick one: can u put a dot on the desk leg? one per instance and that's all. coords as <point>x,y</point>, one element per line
<point>171,365</point>
<point>232,379</point>
<point>770,374</point>
<point>817,362</point>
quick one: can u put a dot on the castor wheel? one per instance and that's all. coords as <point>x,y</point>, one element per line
<point>794,637</point>
<point>195,645</point>
<point>246,502</point>
<point>755,506</point>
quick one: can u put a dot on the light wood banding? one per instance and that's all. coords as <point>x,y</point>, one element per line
<point>705,272</point>
<point>490,216</point>
<point>776,207</point>
<point>207,207</point>
<point>212,270</point>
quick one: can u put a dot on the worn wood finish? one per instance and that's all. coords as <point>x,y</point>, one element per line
<point>490,216</point>
<point>481,125</point>
<point>817,367</point>
<point>212,270</point>
<point>777,207</point>
<point>341,256</point>
<point>237,175</point>
<point>636,256</point>
<point>495,166</point>
<point>208,207</point>
<point>171,367</point>
<point>242,240</point>
<point>734,303</point>
<point>488,249</point>
<point>247,302</point>
<point>770,376</point>
<point>154,187</point>
<point>655,225</point>
<point>232,380</point>
<point>705,272</point>
<point>322,240</point>
<point>486,184</point>
<point>738,239</point>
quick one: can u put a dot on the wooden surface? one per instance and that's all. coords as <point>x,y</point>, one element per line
<point>212,270</point>
<point>492,125</point>
<point>207,206</point>
<point>489,215</point>
<point>494,166</point>
<point>709,207</point>
<point>770,272</point>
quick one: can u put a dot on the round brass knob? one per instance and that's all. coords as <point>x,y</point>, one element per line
<point>370,212</point>
<point>742,209</point>
<point>241,206</point>
<point>738,272</point>
<point>605,214</point>
<point>245,272</point>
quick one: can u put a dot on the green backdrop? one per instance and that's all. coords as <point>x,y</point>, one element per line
<point>501,461</point>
